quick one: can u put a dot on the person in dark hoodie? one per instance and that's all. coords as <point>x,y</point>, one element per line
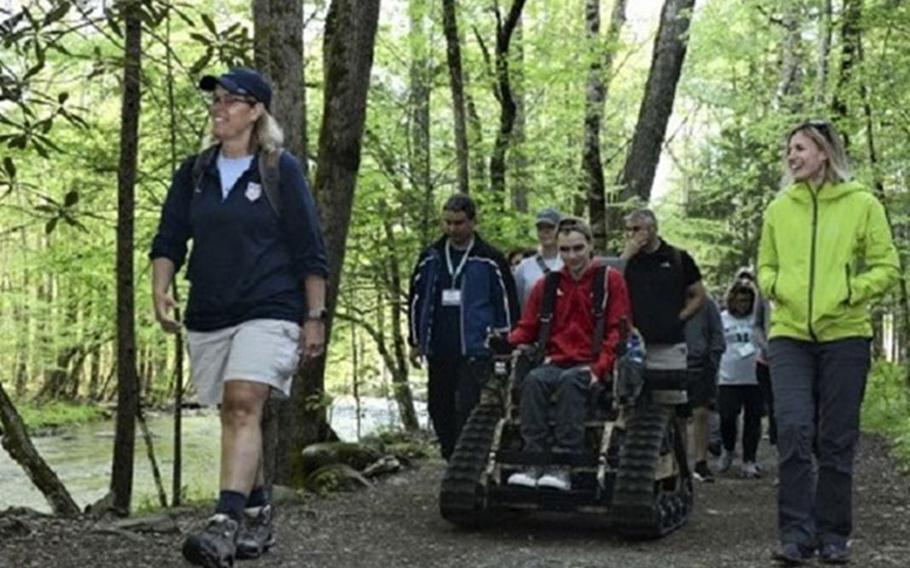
<point>256,305</point>
<point>461,289</point>
<point>706,345</point>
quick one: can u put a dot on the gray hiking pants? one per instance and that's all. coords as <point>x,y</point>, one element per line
<point>569,387</point>
<point>818,390</point>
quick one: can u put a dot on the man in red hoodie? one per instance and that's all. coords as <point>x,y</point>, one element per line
<point>573,359</point>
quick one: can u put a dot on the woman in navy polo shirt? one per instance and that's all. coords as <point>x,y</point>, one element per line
<point>256,305</point>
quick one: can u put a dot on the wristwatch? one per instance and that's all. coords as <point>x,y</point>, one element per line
<point>318,314</point>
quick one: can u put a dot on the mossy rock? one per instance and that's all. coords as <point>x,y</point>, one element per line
<point>357,456</point>
<point>336,477</point>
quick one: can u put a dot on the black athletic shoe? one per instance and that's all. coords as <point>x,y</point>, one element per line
<point>834,554</point>
<point>215,546</point>
<point>702,472</point>
<point>792,554</point>
<point>255,537</point>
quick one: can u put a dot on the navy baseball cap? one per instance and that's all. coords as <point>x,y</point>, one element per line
<point>240,81</point>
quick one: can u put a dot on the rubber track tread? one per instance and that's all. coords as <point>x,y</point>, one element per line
<point>460,498</point>
<point>638,509</point>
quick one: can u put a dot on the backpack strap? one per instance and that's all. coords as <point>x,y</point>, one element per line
<point>270,177</point>
<point>600,295</point>
<point>545,316</point>
<point>202,163</point>
<point>543,265</point>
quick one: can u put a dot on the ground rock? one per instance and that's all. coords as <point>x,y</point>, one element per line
<point>357,456</point>
<point>336,477</point>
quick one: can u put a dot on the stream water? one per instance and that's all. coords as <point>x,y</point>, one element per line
<point>81,456</point>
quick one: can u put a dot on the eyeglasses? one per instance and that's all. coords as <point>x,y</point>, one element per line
<point>634,228</point>
<point>229,100</point>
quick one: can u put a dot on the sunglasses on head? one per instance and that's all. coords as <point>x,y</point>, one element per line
<point>824,127</point>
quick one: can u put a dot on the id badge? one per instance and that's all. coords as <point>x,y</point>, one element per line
<point>451,297</point>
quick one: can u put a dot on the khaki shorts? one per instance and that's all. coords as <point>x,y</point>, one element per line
<point>260,351</point>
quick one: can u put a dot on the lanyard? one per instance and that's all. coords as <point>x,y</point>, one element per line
<point>454,272</point>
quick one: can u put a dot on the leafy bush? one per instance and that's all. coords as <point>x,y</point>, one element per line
<point>56,414</point>
<point>886,409</point>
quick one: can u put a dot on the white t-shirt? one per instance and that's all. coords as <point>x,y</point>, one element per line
<point>529,271</point>
<point>230,170</point>
<point>737,366</point>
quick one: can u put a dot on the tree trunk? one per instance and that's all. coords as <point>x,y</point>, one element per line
<point>851,35</point>
<point>506,99</point>
<point>824,52</point>
<point>786,96</point>
<point>278,47</point>
<point>595,95</point>
<point>127,387</point>
<point>453,56</point>
<point>404,398</point>
<point>420,86</point>
<point>350,35</point>
<point>278,52</point>
<point>16,441</point>
<point>519,184</point>
<point>657,103</point>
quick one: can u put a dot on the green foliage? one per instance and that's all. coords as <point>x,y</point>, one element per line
<point>58,414</point>
<point>886,407</point>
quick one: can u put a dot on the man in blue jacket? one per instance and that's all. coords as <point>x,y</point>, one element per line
<point>461,288</point>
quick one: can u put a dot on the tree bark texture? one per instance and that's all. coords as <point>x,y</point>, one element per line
<point>456,80</point>
<point>507,113</point>
<point>824,52</point>
<point>595,96</point>
<point>657,103</point>
<point>278,49</point>
<point>519,179</point>
<point>420,77</point>
<point>127,379</point>
<point>786,96</point>
<point>18,444</point>
<point>350,36</point>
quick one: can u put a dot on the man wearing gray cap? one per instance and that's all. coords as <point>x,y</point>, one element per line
<point>547,259</point>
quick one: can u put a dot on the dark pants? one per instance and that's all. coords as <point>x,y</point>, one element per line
<point>763,374</point>
<point>731,400</point>
<point>569,388</point>
<point>453,390</point>
<point>826,380</point>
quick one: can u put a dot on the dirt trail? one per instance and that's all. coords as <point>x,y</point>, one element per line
<point>397,524</point>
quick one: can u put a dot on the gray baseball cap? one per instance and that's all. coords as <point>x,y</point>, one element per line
<point>548,216</point>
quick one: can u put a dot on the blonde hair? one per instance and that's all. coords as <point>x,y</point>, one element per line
<point>825,136</point>
<point>267,135</point>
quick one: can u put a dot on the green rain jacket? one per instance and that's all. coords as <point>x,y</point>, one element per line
<point>823,256</point>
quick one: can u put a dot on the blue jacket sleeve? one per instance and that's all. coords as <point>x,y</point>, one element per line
<point>301,221</point>
<point>174,229</point>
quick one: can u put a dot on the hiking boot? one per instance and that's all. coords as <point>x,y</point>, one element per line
<point>834,554</point>
<point>527,478</point>
<point>255,536</point>
<point>750,470</point>
<point>556,479</point>
<point>215,546</point>
<point>725,461</point>
<point>792,554</point>
<point>702,472</point>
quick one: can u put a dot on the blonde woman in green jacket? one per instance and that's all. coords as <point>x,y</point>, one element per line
<point>826,252</point>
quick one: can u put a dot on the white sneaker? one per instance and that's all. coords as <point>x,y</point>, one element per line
<point>526,478</point>
<point>725,461</point>
<point>556,479</point>
<point>750,470</point>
